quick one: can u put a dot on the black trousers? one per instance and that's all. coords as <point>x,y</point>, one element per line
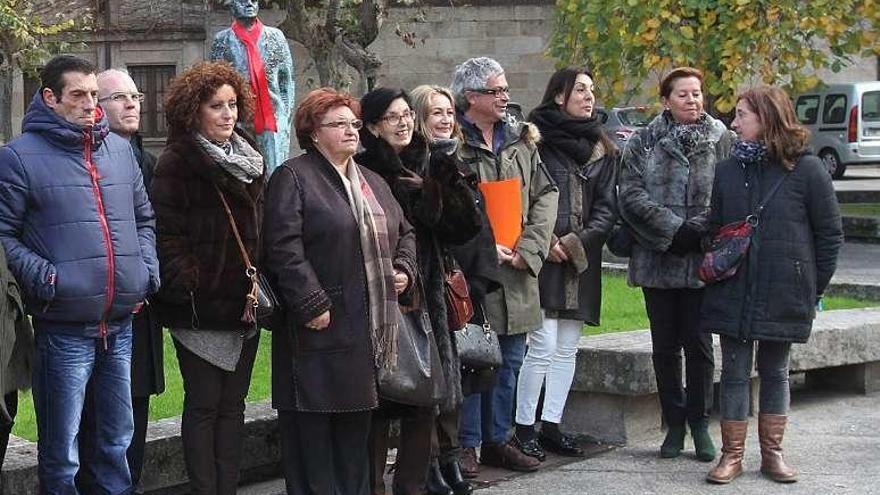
<point>213,419</point>
<point>325,453</point>
<point>11,400</point>
<point>675,325</point>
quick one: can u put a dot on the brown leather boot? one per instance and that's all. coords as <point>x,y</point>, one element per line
<point>733,445</point>
<point>771,428</point>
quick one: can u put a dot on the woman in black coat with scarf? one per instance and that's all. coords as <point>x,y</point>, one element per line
<point>580,158</point>
<point>771,299</point>
<point>439,205</point>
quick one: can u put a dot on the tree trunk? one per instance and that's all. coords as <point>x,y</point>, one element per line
<point>5,104</point>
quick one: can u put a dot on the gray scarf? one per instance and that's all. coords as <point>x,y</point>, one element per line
<point>235,156</point>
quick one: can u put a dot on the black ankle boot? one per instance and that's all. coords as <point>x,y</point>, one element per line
<point>452,474</point>
<point>436,484</point>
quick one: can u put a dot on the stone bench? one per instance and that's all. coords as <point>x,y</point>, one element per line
<point>614,394</point>
<point>164,469</point>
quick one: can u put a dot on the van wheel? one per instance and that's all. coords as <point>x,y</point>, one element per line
<point>832,163</point>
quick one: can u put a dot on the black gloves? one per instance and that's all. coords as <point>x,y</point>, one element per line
<point>686,240</point>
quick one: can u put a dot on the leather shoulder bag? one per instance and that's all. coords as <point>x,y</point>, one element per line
<point>260,301</point>
<point>459,308</point>
<point>417,378</point>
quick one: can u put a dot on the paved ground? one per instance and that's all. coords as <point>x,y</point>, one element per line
<point>833,439</point>
<point>858,264</point>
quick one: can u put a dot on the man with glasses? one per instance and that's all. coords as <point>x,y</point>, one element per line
<point>498,148</point>
<point>79,235</point>
<point>119,98</point>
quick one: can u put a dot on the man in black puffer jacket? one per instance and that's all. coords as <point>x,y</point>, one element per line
<point>79,235</point>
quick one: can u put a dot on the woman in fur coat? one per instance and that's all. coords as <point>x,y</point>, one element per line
<point>439,205</point>
<point>664,189</point>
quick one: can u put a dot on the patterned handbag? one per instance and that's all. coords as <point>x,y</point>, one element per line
<point>725,252</point>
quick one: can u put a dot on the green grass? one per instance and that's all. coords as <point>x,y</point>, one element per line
<point>860,209</point>
<point>623,309</point>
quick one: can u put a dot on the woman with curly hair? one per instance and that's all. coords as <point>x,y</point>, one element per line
<point>209,176</point>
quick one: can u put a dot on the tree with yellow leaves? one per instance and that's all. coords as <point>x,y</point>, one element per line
<point>735,42</point>
<point>26,41</point>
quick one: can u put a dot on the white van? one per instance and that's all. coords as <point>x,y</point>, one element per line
<point>844,123</point>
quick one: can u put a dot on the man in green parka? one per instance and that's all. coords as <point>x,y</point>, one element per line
<point>497,147</point>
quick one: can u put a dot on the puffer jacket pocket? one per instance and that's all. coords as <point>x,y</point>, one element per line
<point>795,287</point>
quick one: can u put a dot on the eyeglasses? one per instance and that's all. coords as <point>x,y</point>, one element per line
<point>342,124</point>
<point>123,97</point>
<point>395,118</point>
<point>496,92</point>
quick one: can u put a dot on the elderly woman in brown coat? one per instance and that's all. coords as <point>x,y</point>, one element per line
<point>340,252</point>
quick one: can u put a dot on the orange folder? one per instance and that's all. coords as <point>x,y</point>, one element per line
<point>504,207</point>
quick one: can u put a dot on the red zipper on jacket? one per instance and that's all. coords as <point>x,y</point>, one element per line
<point>105,230</point>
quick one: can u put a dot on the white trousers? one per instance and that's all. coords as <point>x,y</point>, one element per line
<point>550,362</point>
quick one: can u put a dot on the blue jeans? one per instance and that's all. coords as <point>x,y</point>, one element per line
<point>63,366</point>
<point>489,416</point>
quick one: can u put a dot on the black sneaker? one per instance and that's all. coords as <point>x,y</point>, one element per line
<point>530,448</point>
<point>561,444</point>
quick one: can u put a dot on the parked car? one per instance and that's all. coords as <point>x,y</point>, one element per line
<point>621,122</point>
<point>844,123</point>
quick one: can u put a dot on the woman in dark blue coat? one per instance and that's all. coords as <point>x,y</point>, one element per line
<point>771,300</point>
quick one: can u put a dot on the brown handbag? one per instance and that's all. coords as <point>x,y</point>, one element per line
<point>459,307</point>
<point>260,301</point>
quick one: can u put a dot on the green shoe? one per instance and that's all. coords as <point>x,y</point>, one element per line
<point>703,441</point>
<point>673,443</point>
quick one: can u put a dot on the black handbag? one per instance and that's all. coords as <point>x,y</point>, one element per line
<point>478,347</point>
<point>260,301</point>
<point>417,379</point>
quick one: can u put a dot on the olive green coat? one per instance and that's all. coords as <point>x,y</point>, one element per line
<point>16,338</point>
<point>516,308</point>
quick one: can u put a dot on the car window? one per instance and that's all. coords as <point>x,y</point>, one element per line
<point>807,108</point>
<point>871,106</point>
<point>834,111</point>
<point>637,117</point>
<point>601,115</point>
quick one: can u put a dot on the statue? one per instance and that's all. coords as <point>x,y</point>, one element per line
<point>262,55</point>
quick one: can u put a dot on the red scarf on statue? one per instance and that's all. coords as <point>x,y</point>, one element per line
<point>264,114</point>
